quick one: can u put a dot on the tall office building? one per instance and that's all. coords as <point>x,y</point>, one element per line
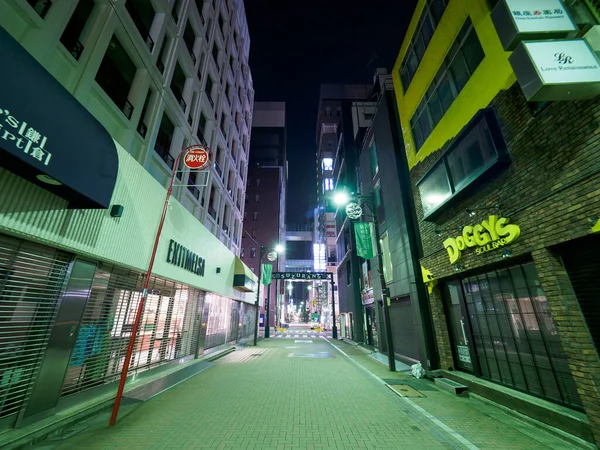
<point>329,140</point>
<point>264,218</point>
<point>96,104</point>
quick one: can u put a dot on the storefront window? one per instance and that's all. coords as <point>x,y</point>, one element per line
<point>435,189</point>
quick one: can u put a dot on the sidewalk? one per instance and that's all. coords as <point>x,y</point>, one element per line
<point>290,394</point>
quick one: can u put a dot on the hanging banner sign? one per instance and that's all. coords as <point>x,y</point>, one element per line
<point>491,234</point>
<point>267,272</point>
<point>363,232</point>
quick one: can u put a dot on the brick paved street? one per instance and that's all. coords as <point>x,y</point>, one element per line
<point>286,394</point>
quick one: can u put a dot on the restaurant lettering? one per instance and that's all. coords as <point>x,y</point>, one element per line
<point>180,256</point>
<point>24,137</point>
<point>491,234</point>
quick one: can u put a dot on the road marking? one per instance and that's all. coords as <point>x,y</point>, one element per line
<point>455,434</point>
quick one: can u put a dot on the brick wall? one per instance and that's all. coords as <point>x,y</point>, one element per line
<point>551,190</point>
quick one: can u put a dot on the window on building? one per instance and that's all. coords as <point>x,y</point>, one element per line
<point>212,203</point>
<point>328,112</point>
<point>470,157</point>
<point>215,54</point>
<point>387,259</point>
<point>338,112</point>
<point>142,128</point>
<point>41,7</point>
<point>189,38</point>
<point>373,158</point>
<point>258,182</point>
<point>462,60</point>
<point>115,75</point>
<point>209,90</point>
<point>379,209</point>
<point>428,22</point>
<point>328,184</point>
<point>327,163</point>
<point>162,55</point>
<point>175,10</point>
<point>162,145</point>
<point>255,215</point>
<point>201,130</point>
<point>142,13</point>
<point>71,37</point>
<point>221,24</point>
<point>256,198</point>
<point>178,84</point>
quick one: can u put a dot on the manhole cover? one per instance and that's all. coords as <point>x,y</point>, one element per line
<point>406,391</point>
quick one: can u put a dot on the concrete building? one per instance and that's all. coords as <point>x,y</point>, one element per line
<point>503,153</point>
<point>97,102</point>
<point>264,217</point>
<point>330,151</point>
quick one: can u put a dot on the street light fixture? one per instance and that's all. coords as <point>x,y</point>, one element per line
<point>278,249</point>
<point>342,198</point>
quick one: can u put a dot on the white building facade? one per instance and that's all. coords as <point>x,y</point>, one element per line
<point>97,102</point>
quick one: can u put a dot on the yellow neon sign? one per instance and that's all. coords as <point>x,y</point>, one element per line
<point>491,234</point>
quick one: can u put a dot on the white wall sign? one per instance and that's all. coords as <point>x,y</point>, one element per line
<point>532,16</point>
<point>564,62</point>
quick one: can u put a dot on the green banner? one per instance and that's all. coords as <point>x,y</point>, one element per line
<point>267,273</point>
<point>363,231</point>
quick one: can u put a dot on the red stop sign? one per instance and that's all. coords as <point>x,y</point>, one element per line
<point>197,158</point>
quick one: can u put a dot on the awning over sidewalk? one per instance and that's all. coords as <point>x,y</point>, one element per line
<point>243,278</point>
<point>48,137</point>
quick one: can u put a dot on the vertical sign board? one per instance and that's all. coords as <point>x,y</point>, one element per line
<point>519,20</point>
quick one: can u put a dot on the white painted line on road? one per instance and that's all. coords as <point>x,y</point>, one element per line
<point>302,341</point>
<point>455,434</point>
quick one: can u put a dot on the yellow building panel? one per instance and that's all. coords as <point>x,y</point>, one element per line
<point>493,75</point>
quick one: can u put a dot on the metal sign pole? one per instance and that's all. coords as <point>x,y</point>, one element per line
<point>140,310</point>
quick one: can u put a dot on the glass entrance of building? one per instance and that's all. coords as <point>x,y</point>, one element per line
<point>508,334</point>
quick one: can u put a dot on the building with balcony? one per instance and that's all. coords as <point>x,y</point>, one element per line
<point>498,105</point>
<point>97,104</point>
<point>264,216</point>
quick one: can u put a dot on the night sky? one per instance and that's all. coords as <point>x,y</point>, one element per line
<point>297,45</point>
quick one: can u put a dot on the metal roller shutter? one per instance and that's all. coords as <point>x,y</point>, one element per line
<point>582,261</point>
<point>168,330</point>
<point>404,334</point>
<point>32,278</point>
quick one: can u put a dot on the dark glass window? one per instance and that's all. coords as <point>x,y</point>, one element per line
<point>142,14</point>
<point>428,22</point>
<point>72,34</point>
<point>435,189</point>
<point>162,145</point>
<point>189,37</point>
<point>115,75</point>
<point>461,62</point>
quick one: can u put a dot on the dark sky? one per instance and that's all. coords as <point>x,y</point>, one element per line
<point>297,45</point>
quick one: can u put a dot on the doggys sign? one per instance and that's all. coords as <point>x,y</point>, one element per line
<point>491,234</point>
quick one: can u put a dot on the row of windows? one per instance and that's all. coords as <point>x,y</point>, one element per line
<point>462,60</point>
<point>434,9</point>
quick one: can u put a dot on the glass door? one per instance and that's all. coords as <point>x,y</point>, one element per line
<point>464,354</point>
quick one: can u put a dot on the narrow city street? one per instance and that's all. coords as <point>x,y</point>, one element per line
<point>307,392</point>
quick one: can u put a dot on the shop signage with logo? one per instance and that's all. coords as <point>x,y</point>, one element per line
<point>197,157</point>
<point>491,234</point>
<point>180,256</point>
<point>519,20</point>
<point>557,70</point>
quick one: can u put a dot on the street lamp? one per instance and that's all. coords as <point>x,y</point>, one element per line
<point>342,198</point>
<point>277,249</point>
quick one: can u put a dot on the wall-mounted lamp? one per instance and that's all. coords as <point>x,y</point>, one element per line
<point>438,231</point>
<point>507,252</point>
<point>472,212</point>
<point>218,270</point>
<point>116,211</point>
<point>458,267</point>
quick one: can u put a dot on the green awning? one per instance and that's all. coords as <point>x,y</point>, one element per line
<point>243,278</point>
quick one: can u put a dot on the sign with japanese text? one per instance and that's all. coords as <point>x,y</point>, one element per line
<point>364,232</point>
<point>197,157</point>
<point>24,137</point>
<point>301,275</point>
<point>532,16</point>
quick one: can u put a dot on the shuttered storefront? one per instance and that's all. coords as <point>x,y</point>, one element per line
<point>582,261</point>
<point>169,328</point>
<point>404,334</point>
<point>32,278</point>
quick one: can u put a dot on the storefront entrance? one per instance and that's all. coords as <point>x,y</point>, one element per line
<point>404,334</point>
<point>502,330</point>
<point>371,324</point>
